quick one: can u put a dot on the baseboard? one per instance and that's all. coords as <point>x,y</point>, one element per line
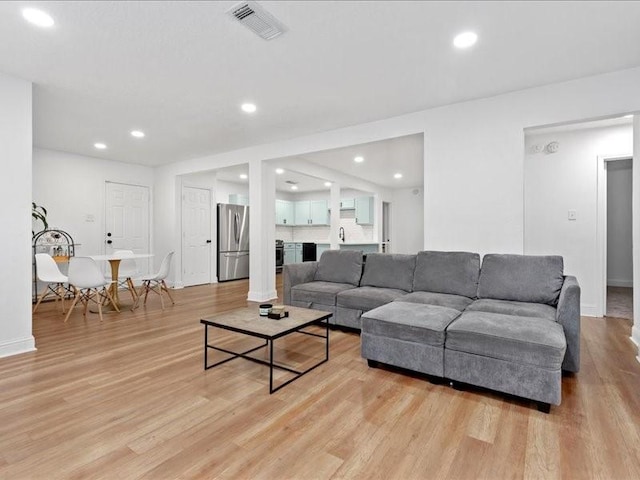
<point>620,283</point>
<point>635,338</point>
<point>15,347</point>
<point>262,296</point>
<point>589,311</point>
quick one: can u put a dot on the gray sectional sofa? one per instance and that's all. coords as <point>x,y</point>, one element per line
<point>511,324</point>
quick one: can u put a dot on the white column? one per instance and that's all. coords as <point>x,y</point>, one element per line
<point>334,204</point>
<point>262,232</point>
<point>16,149</point>
<point>635,331</point>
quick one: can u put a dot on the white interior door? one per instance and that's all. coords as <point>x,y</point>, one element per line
<point>127,220</point>
<point>196,236</point>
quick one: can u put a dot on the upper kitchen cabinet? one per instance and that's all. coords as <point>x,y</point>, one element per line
<point>284,213</point>
<point>347,204</point>
<point>364,210</point>
<point>314,212</point>
<point>237,199</point>
<point>302,213</point>
<point>319,212</point>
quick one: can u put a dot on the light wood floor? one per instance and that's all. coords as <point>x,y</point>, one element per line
<point>129,399</point>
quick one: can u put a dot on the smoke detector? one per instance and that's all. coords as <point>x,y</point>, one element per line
<point>257,19</point>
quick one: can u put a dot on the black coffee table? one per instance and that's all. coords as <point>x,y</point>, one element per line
<point>247,321</point>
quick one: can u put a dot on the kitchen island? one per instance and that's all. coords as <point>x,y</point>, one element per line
<point>366,247</point>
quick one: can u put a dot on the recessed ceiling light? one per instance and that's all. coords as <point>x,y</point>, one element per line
<point>397,175</point>
<point>279,171</point>
<point>100,146</point>
<point>248,107</point>
<point>358,159</point>
<point>37,17</point>
<point>244,176</point>
<point>294,187</point>
<point>137,133</point>
<point>628,116</point>
<point>465,40</point>
<point>327,184</point>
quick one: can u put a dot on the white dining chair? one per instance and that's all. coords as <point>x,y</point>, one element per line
<point>89,285</point>
<point>48,272</point>
<point>155,282</point>
<point>127,272</point>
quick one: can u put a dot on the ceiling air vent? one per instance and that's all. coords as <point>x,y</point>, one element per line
<point>291,182</point>
<point>257,19</point>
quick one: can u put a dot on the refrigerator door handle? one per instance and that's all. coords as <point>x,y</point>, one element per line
<point>236,229</point>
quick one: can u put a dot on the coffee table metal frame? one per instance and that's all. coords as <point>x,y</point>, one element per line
<point>269,340</point>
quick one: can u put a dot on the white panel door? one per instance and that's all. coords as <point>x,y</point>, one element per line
<point>196,236</point>
<point>127,220</point>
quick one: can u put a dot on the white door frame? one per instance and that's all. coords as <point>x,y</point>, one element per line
<point>213,233</point>
<point>601,226</point>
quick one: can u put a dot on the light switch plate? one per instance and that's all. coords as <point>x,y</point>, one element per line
<point>573,215</point>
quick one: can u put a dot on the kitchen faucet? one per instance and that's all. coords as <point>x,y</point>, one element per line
<point>341,233</point>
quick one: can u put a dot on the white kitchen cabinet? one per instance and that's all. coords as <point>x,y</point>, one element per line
<point>290,253</point>
<point>284,212</point>
<point>321,247</point>
<point>347,204</point>
<point>319,212</point>
<point>302,213</point>
<point>364,210</point>
<point>237,199</point>
<point>311,212</point>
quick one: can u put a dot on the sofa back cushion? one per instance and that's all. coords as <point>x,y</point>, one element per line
<point>522,278</point>
<point>389,271</point>
<point>455,273</point>
<point>340,266</point>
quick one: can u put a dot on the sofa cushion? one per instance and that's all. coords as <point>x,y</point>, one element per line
<point>387,270</point>
<point>508,307</point>
<point>457,302</point>
<point>447,272</point>
<point>412,322</point>
<point>367,298</point>
<point>340,266</point>
<point>508,337</point>
<point>318,292</point>
<point>523,278</point>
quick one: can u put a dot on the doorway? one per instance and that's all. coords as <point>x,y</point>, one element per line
<point>386,230</point>
<point>196,236</point>
<point>619,249</point>
<point>127,219</point>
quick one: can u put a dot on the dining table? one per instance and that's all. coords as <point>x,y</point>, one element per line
<point>114,262</point>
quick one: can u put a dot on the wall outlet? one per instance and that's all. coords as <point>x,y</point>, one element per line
<point>573,215</point>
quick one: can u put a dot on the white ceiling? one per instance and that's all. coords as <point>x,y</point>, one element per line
<point>179,70</point>
<point>382,160</point>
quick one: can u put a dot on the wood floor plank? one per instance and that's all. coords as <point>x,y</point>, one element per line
<point>129,398</point>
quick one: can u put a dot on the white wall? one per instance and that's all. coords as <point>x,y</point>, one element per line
<point>635,331</point>
<point>15,198</point>
<point>568,180</point>
<point>619,224</point>
<point>72,187</point>
<point>473,175</point>
<point>407,220</point>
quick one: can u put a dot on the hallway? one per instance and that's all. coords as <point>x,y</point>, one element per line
<point>620,302</point>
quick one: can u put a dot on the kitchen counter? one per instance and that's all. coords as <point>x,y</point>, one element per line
<point>366,247</point>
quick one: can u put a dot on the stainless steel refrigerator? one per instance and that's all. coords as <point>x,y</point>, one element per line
<point>233,242</point>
